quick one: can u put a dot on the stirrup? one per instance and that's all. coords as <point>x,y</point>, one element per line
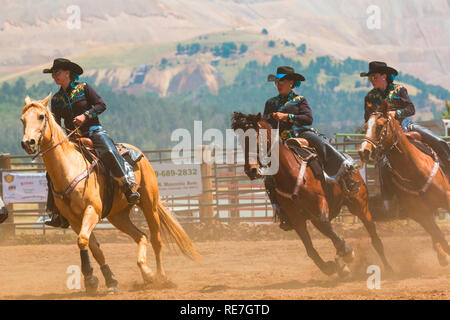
<point>58,221</point>
<point>3,215</point>
<point>132,197</point>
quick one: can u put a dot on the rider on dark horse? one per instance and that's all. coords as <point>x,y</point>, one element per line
<point>80,105</point>
<point>381,76</point>
<point>293,115</point>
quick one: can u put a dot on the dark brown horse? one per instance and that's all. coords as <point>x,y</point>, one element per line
<point>419,184</point>
<point>304,198</point>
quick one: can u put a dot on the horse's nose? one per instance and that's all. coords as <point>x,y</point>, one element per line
<point>364,155</point>
<point>28,145</point>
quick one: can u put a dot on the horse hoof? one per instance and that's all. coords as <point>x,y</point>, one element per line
<point>344,272</point>
<point>91,284</point>
<point>112,290</point>
<point>349,257</point>
<point>342,269</point>
<point>329,268</point>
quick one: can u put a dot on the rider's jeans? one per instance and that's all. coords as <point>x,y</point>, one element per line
<point>111,158</point>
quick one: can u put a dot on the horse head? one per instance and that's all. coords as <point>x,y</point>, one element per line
<point>35,117</point>
<point>380,133</point>
<point>247,128</point>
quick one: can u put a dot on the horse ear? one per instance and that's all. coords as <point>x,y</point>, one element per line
<point>27,100</point>
<point>45,101</point>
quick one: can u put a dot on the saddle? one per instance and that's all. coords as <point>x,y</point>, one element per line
<point>301,148</point>
<point>416,139</point>
<point>130,155</point>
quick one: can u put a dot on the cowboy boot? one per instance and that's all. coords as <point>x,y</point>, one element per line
<point>270,188</point>
<point>119,167</point>
<point>3,214</point>
<point>57,220</point>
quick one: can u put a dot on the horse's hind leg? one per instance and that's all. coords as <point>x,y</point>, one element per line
<point>360,208</point>
<point>122,221</point>
<point>154,224</point>
<point>440,245</point>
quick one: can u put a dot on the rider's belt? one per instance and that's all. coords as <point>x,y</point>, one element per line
<point>94,128</point>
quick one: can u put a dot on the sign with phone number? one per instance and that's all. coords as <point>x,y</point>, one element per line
<point>178,180</point>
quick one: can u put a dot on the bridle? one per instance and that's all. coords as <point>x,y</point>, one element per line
<point>402,183</point>
<point>378,144</point>
<point>42,133</point>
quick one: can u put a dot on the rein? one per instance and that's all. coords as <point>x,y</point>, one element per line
<point>80,177</point>
<point>301,172</point>
<point>41,153</point>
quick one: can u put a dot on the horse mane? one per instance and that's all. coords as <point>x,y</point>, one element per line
<point>244,121</point>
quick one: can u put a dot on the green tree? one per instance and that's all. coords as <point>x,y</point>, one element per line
<point>446,114</point>
<point>243,48</point>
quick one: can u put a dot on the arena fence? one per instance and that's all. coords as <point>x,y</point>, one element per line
<point>227,194</point>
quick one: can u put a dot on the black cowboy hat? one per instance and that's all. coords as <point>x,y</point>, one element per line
<point>379,67</point>
<point>285,72</point>
<point>65,64</point>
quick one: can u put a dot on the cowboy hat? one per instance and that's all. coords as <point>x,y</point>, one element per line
<point>379,67</point>
<point>65,64</point>
<point>285,72</point>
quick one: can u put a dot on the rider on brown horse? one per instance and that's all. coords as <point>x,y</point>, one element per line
<point>79,105</point>
<point>382,77</point>
<point>294,115</point>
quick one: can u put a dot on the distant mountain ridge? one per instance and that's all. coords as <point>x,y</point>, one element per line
<point>413,36</point>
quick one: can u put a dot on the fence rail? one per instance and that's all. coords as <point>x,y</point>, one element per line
<point>227,194</point>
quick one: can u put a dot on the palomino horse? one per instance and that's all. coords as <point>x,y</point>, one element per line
<point>307,201</point>
<point>419,184</point>
<point>83,205</point>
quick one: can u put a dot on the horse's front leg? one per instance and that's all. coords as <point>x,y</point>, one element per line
<point>90,220</point>
<point>328,267</point>
<point>344,252</point>
<point>110,280</point>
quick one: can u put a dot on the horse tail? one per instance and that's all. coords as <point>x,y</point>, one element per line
<point>171,226</point>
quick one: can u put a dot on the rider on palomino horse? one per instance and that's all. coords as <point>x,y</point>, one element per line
<point>382,77</point>
<point>79,105</point>
<point>294,115</point>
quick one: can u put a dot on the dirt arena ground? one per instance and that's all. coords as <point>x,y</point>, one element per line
<point>245,269</point>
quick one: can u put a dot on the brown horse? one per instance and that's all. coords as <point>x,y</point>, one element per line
<point>83,206</point>
<point>419,184</point>
<point>308,201</point>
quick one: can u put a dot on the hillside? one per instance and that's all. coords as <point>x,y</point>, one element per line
<point>333,89</point>
<point>413,34</point>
